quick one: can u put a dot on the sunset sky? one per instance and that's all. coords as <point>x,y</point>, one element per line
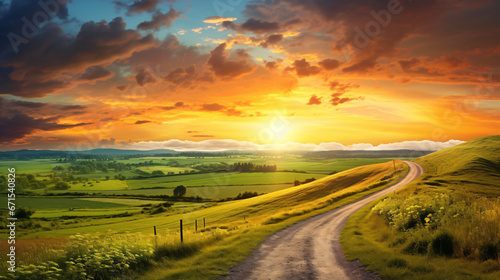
<point>228,74</point>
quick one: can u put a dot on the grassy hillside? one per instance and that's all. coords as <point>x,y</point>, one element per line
<point>476,162</point>
<point>445,225</point>
<point>234,228</point>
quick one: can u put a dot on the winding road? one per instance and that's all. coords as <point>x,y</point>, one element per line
<point>311,249</point>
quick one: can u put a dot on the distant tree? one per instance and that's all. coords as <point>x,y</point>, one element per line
<point>180,191</point>
<point>157,173</point>
<point>62,186</point>
<point>3,182</point>
<point>296,182</point>
<point>23,213</point>
<point>30,177</point>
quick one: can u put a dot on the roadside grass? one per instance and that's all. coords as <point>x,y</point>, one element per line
<point>444,225</point>
<point>367,237</point>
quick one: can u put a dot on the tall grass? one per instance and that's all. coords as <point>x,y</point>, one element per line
<point>98,256</point>
<point>472,224</point>
<point>169,246</point>
<point>110,255</point>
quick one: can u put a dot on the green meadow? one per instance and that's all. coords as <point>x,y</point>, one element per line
<point>232,229</point>
<point>139,199</point>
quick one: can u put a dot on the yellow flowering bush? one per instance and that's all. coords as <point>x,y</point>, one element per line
<point>102,256</point>
<point>473,225</point>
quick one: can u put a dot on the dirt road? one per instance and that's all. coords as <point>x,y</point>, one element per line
<point>310,249</point>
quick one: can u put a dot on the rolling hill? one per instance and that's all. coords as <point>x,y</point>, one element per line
<point>476,161</point>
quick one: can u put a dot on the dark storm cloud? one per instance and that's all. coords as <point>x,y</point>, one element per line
<point>253,25</point>
<point>42,65</point>
<point>329,64</point>
<point>95,72</point>
<point>272,40</point>
<point>144,76</point>
<point>20,125</point>
<point>140,6</point>
<point>160,20</point>
<point>226,68</point>
<point>303,68</point>
<point>73,107</point>
<point>28,104</point>
<point>372,29</point>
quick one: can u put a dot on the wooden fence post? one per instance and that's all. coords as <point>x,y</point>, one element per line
<point>196,225</point>
<point>182,237</point>
<point>203,222</point>
<point>156,242</point>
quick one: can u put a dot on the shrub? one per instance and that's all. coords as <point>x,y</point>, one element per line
<point>442,245</point>
<point>62,186</point>
<point>104,256</point>
<point>180,191</point>
<point>488,251</point>
<point>24,213</point>
<point>417,247</point>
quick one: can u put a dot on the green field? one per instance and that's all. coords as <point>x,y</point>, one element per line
<point>206,185</point>
<point>238,226</point>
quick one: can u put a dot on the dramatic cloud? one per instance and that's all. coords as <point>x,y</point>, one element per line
<point>145,77</point>
<point>225,68</point>
<point>20,125</point>
<point>212,107</point>
<point>272,40</point>
<point>176,106</point>
<point>96,73</point>
<point>329,64</point>
<point>337,99</point>
<point>182,76</point>
<point>340,90</point>
<point>253,25</point>
<point>28,104</point>
<point>422,65</point>
<point>218,19</point>
<point>304,68</point>
<point>42,65</point>
<point>314,100</point>
<point>414,66</point>
<point>160,20</point>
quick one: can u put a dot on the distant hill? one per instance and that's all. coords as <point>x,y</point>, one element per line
<point>31,154</point>
<point>125,152</point>
<point>474,161</point>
